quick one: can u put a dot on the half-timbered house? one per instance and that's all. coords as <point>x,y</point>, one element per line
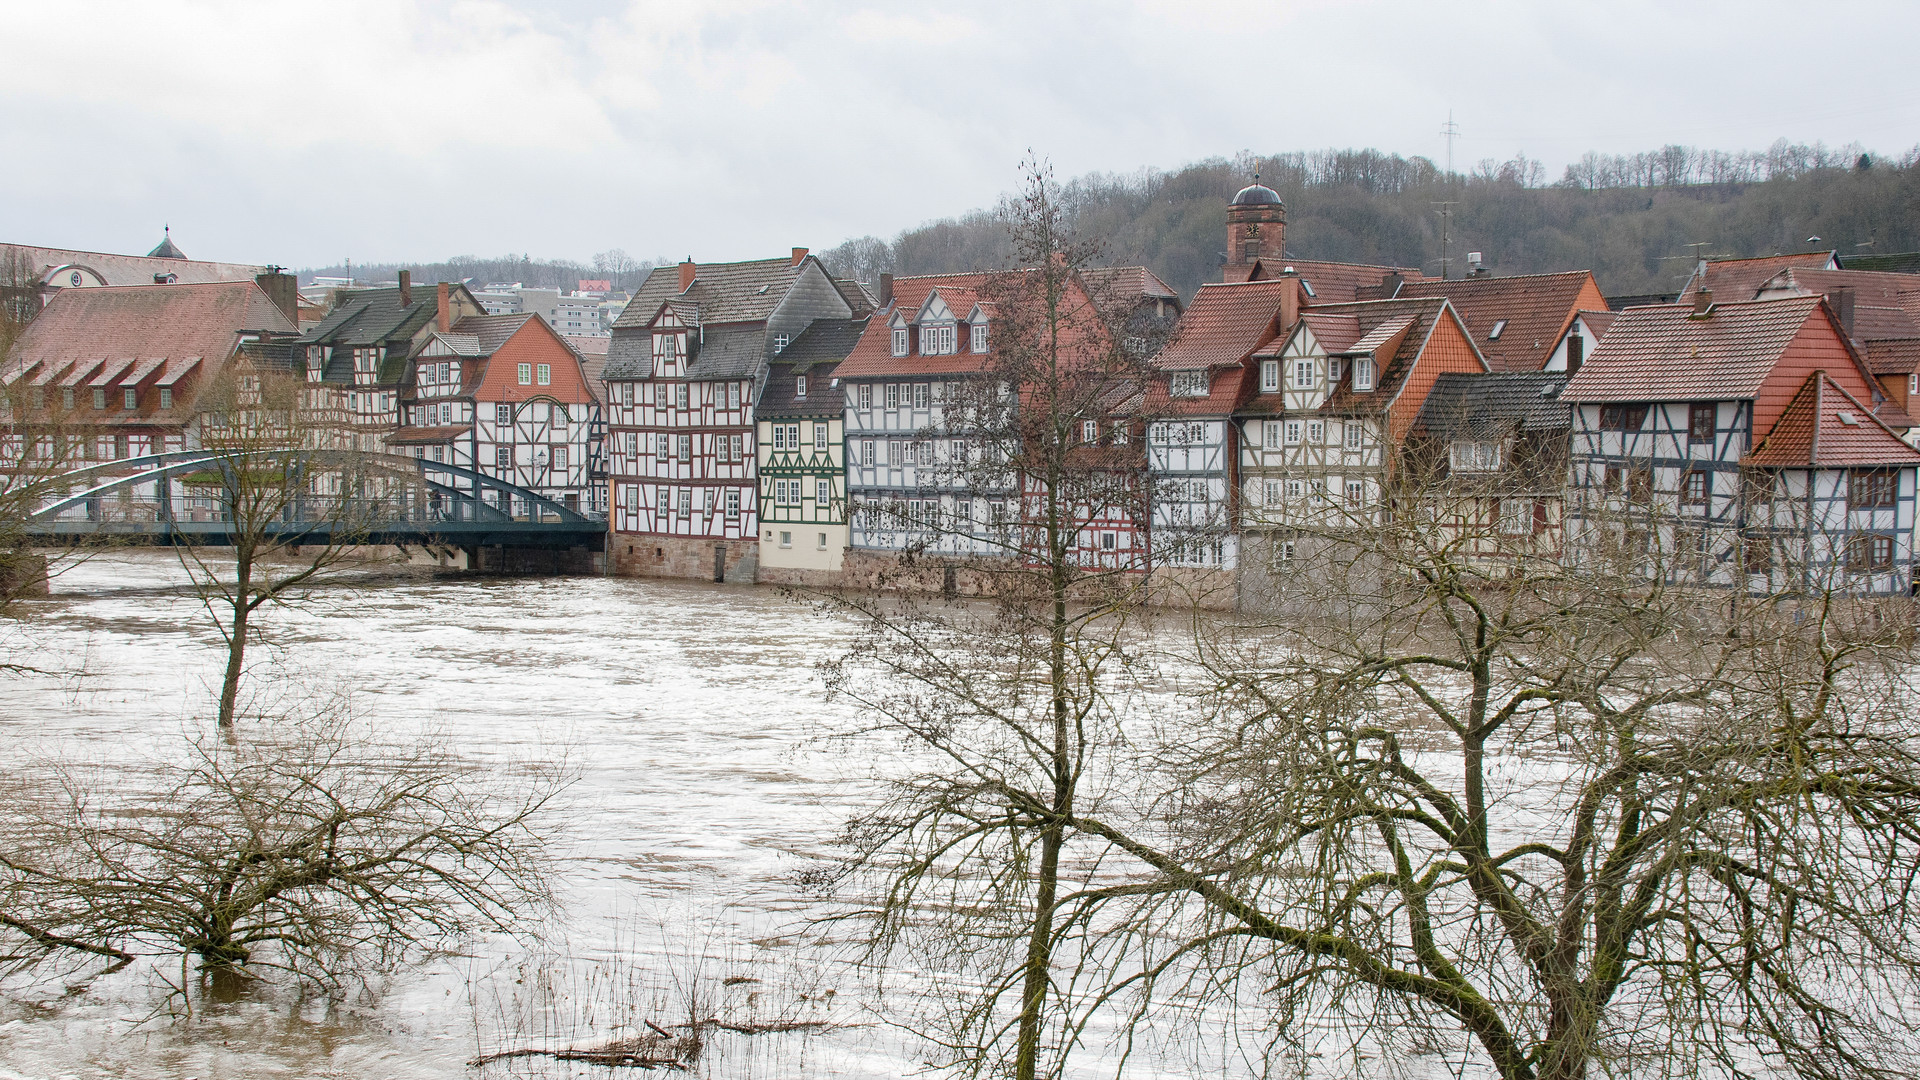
<point>507,396</point>
<point>1488,457</point>
<point>359,357</point>
<point>1331,404</point>
<point>1734,445</point>
<point>684,371</point>
<point>802,459</point>
<point>118,371</point>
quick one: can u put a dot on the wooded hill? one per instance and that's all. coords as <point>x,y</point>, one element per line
<point>1632,219</point>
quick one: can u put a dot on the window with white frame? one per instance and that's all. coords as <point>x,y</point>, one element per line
<point>1333,371</point>
<point>1189,383</point>
<point>1471,455</point>
<point>1293,432</point>
<point>1363,374</point>
<point>707,508</point>
<point>1270,434</point>
<point>1516,516</point>
<point>1269,376</point>
<point>543,374</point>
<point>1356,435</point>
<point>526,374</point>
<point>978,333</point>
<point>626,393</point>
<point>632,441</point>
<point>736,445</point>
<point>666,501</point>
<point>937,339</point>
<point>680,395</point>
<point>779,343</point>
<point>1303,374</point>
<point>1271,495</point>
<point>1296,489</point>
<point>1316,432</point>
<point>503,458</point>
<point>819,436</point>
<point>683,447</point>
<point>686,502</point>
<point>733,502</point>
<point>899,342</point>
<point>822,492</point>
<point>1090,431</point>
<point>733,395</point>
<point>1356,493</point>
<point>503,414</point>
<point>1119,433</point>
<point>799,386</point>
<point>866,393</point>
<point>920,395</point>
<point>866,451</point>
<point>893,395</point>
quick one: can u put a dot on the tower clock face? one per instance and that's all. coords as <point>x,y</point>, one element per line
<point>1253,229</point>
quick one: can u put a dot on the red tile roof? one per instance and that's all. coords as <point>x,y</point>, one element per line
<point>873,356</point>
<point>1740,279</point>
<point>173,321</point>
<point>1532,311</point>
<point>1663,353</point>
<point>1333,282</point>
<point>1826,427</point>
<point>1900,356</point>
<point>1333,331</point>
<point>1396,332</point>
<point>1225,324</point>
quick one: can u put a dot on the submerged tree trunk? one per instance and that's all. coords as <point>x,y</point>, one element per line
<point>237,633</point>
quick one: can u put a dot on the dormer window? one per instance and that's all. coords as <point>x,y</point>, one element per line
<point>1269,376</point>
<point>1363,374</point>
<point>1303,374</point>
<point>799,386</point>
<point>937,340</point>
<point>978,333</point>
<point>779,343</point>
<point>1190,383</point>
<point>899,341</point>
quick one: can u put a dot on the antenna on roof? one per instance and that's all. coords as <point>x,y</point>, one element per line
<point>1446,233</point>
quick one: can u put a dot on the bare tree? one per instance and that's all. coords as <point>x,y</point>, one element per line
<point>1586,820</point>
<point>292,506</point>
<point>1014,701</point>
<point>314,850</point>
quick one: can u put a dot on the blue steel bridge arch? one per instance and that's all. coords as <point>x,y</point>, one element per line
<point>461,516</point>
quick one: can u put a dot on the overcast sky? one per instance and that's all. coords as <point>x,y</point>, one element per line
<point>303,133</point>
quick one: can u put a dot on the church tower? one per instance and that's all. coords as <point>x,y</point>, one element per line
<point>1256,229</point>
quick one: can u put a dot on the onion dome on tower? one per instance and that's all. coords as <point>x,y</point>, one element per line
<point>1256,229</point>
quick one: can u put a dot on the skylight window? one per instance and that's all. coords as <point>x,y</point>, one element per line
<point>1498,328</point>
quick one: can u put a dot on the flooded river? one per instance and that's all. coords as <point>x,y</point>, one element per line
<point>693,715</point>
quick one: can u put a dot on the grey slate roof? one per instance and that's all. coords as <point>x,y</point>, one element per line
<point>629,356</point>
<point>723,292</point>
<point>726,352</point>
<point>815,353</point>
<point>371,317</point>
<point>1492,405</point>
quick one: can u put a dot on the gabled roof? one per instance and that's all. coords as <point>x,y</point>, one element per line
<point>857,296</point>
<point>720,293</point>
<point>1396,332</point>
<point>1493,405</point>
<point>1333,282</point>
<point>1533,312</point>
<point>145,321</point>
<point>1599,321</point>
<point>1334,331</point>
<point>1665,353</point>
<point>1118,290</point>
<point>873,355</point>
<point>364,317</point>
<point>1740,279</point>
<point>815,354</point>
<point>1225,324</point>
<point>492,331</point>
<point>1883,303</point>
<point>1826,427</point>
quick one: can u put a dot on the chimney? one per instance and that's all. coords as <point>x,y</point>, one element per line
<point>798,254</point>
<point>406,288</point>
<point>687,274</point>
<point>445,317</point>
<point>886,290</point>
<point>284,290</point>
<point>1390,285</point>
<point>1702,303</point>
<point>1842,302</point>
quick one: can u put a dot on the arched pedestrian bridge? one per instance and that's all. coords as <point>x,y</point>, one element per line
<point>395,500</point>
